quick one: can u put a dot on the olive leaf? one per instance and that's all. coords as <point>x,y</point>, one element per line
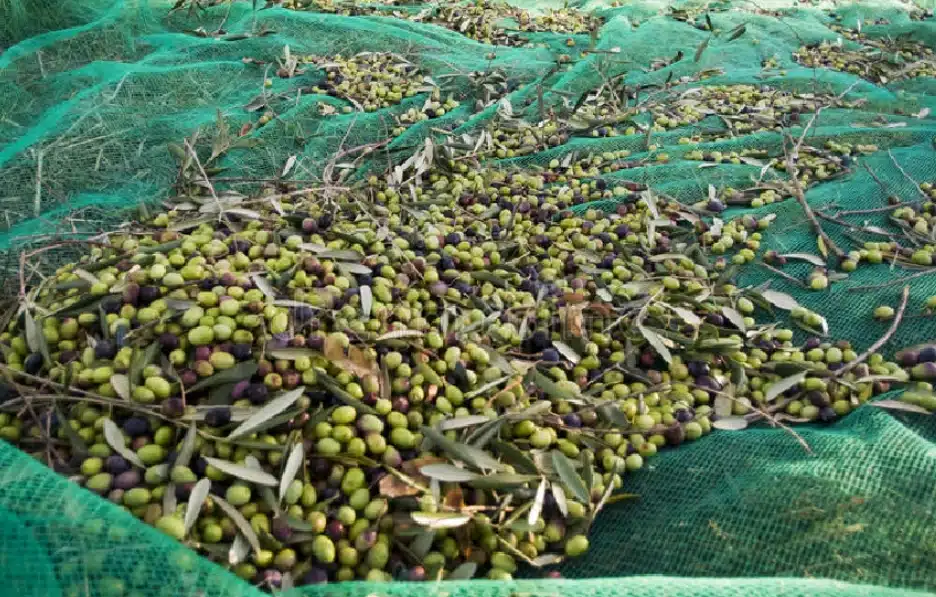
<point>270,410</point>
<point>687,315</point>
<point>121,385</point>
<point>78,446</point>
<point>483,390</point>
<point>422,544</point>
<point>483,276</point>
<point>813,259</point>
<point>657,342</point>
<point>238,372</point>
<point>516,457</point>
<point>462,422</point>
<point>701,49</point>
<point>429,374</point>
<point>286,582</point>
<point>291,354</point>
<point>781,300</point>
<point>354,268</point>
<point>116,441</point>
<point>399,334</point>
<point>140,360</point>
<point>239,549</point>
<point>464,571</point>
<point>179,304</point>
<point>297,524</point>
<point>587,457</point>
<point>498,360</point>
<point>239,521</point>
<point>33,331</point>
<point>548,386</point>
<point>464,452</point>
<point>781,386</point>
<point>188,446</point>
<point>244,473</point>
<point>293,463</point>
<point>367,301</point>
<point>730,423</point>
<point>448,473</point>
<point>736,319</point>
<point>737,32</point>
<point>547,559</point>
<point>901,406</point>
<point>264,285</point>
<point>501,480</point>
<point>560,497</point>
<point>344,396</point>
<point>440,520</point>
<point>537,508</point>
<point>340,255</point>
<point>196,499</point>
<point>570,479</point>
<point>567,351</point>
<point>484,434</point>
<point>612,414</point>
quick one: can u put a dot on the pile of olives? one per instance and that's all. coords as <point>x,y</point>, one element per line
<point>878,60</point>
<point>437,380</point>
<point>373,80</point>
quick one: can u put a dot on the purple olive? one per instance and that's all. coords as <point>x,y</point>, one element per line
<point>116,465</point>
<point>127,480</point>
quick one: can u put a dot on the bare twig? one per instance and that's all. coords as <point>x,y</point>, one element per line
<point>916,185</point>
<point>783,274</point>
<point>898,317</point>
<point>800,197</point>
<point>767,416</point>
<point>895,281</point>
<point>875,177</point>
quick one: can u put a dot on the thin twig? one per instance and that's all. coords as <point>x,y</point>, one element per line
<point>800,197</point>
<point>875,177</point>
<point>924,272</point>
<point>905,175</point>
<point>766,415</point>
<point>783,274</point>
<point>898,317</point>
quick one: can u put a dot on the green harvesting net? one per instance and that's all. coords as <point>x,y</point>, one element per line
<point>100,100</point>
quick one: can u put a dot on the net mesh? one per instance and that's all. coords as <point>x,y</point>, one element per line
<point>92,92</point>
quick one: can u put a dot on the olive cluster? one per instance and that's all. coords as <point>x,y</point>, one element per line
<point>433,107</point>
<point>509,138</point>
<point>919,219</point>
<point>744,109</point>
<point>341,7</point>
<point>484,21</point>
<point>812,164</point>
<point>880,61</point>
<point>384,386</point>
<point>372,80</point>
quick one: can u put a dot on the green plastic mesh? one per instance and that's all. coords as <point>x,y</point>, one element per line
<point>93,91</point>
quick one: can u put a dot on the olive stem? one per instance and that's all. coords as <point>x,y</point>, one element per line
<point>893,282</point>
<point>904,297</point>
<point>900,169</point>
<point>800,197</point>
<point>783,274</point>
